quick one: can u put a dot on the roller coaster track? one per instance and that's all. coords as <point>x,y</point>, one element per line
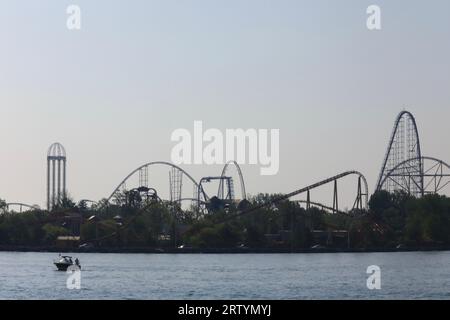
<point>404,144</point>
<point>263,205</point>
<point>147,165</point>
<point>241,179</point>
<point>407,172</point>
<point>320,205</point>
<point>22,205</point>
<point>307,189</point>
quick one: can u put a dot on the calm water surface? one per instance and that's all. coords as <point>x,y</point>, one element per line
<point>424,275</point>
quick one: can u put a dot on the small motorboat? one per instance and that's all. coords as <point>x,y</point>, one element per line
<point>64,262</point>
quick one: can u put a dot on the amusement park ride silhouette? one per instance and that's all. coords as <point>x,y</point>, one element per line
<point>404,168</point>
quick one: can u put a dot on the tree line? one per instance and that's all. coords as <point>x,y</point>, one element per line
<point>392,220</point>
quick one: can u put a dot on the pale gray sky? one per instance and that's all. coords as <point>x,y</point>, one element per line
<point>113,92</point>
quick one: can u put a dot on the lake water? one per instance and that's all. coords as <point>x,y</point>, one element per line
<point>423,275</point>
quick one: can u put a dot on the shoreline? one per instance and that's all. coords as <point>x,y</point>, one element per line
<point>215,250</point>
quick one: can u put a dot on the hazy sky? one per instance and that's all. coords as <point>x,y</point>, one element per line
<point>113,92</point>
